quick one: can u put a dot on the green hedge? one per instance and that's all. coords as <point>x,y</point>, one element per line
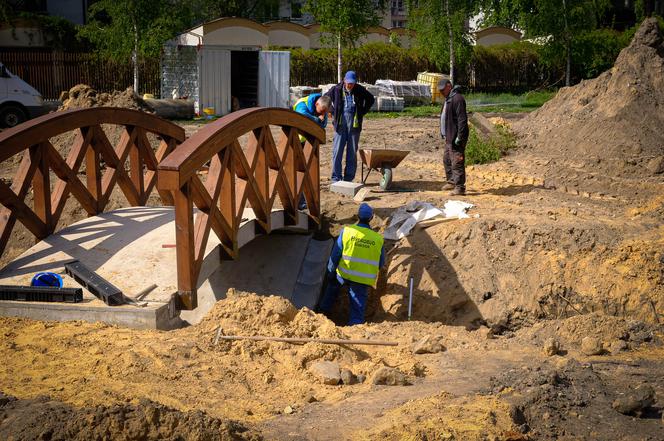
<point>514,67</point>
<point>371,61</point>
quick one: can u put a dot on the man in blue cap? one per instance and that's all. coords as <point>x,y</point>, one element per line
<point>356,259</point>
<point>350,102</point>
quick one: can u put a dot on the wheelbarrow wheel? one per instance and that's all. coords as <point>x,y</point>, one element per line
<point>386,179</point>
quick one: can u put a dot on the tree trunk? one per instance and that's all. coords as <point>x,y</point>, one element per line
<point>451,38</point>
<point>339,57</point>
<point>134,58</point>
<point>568,47</point>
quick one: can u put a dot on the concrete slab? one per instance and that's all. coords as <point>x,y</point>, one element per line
<point>311,277</point>
<point>124,247</point>
<point>349,189</point>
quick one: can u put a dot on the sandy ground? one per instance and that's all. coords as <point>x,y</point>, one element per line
<point>536,319</point>
<point>538,263</point>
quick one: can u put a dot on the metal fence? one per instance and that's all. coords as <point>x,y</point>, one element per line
<point>52,72</point>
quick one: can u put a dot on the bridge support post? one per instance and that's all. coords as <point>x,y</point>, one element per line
<point>184,240</point>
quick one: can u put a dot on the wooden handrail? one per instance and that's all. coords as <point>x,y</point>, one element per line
<point>91,145</point>
<point>34,131</point>
<point>253,174</point>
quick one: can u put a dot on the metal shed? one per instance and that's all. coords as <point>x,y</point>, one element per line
<point>198,64</point>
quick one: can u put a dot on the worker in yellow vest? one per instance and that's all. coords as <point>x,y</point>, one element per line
<point>355,261</point>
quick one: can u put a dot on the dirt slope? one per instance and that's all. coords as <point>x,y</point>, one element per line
<point>611,123</point>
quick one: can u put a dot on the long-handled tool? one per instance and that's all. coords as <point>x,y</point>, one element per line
<point>303,340</point>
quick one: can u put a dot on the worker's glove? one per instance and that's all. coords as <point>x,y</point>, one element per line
<point>457,141</point>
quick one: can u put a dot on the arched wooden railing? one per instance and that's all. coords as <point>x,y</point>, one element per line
<point>256,173</point>
<point>91,145</point>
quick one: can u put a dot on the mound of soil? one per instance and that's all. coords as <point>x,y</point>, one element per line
<point>566,400</point>
<point>610,124</point>
<point>42,418</point>
<point>84,96</point>
<point>510,273</point>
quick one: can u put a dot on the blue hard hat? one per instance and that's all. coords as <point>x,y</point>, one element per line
<point>47,279</point>
<point>365,212</point>
<point>351,77</point>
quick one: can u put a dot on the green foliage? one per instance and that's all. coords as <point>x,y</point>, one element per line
<point>429,20</point>
<point>59,33</point>
<point>259,10</point>
<point>348,19</point>
<point>481,150</point>
<point>510,67</point>
<point>479,102</point>
<point>115,26</point>
<point>597,50</point>
<point>371,61</point>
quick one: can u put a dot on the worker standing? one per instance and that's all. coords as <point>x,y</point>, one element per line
<point>350,102</point>
<point>316,108</point>
<point>356,259</point>
<point>454,131</point>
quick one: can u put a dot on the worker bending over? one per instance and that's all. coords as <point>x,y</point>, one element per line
<point>316,108</point>
<point>356,259</point>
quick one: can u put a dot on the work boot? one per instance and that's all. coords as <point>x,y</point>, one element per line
<point>448,186</point>
<point>458,191</point>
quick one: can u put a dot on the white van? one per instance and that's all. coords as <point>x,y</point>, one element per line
<point>18,100</point>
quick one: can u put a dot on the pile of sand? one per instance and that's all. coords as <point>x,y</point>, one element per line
<point>84,96</point>
<point>610,124</point>
<point>42,418</point>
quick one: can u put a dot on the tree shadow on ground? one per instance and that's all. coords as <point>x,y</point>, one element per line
<point>438,294</point>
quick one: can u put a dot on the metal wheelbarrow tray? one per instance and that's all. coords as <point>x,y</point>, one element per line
<point>382,160</point>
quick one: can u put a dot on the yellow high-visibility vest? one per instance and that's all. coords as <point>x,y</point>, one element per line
<point>301,100</point>
<point>360,256</point>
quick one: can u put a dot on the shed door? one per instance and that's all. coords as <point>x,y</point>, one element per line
<point>215,79</point>
<point>273,78</point>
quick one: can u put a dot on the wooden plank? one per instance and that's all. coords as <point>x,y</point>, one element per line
<point>184,239</point>
<point>22,212</point>
<point>20,185</point>
<point>41,129</point>
<point>74,160</point>
<point>136,166</point>
<point>252,191</point>
<point>201,146</point>
<point>41,187</point>
<point>74,184</point>
<point>115,159</point>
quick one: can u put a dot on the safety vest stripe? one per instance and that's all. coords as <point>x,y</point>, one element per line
<point>360,260</point>
<point>356,273</point>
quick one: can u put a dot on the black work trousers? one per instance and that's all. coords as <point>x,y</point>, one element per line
<point>455,165</point>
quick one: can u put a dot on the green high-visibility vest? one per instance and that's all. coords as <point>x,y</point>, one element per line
<point>360,256</point>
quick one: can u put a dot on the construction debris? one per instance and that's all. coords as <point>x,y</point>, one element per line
<point>83,96</point>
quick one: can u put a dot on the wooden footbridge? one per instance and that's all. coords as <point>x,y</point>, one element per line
<point>248,160</point>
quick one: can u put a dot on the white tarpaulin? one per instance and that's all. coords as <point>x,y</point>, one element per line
<point>405,218</point>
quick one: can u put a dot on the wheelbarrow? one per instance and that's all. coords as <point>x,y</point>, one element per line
<point>383,161</point>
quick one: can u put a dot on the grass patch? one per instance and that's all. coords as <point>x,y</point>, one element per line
<point>479,102</point>
<point>482,151</point>
<point>413,112</point>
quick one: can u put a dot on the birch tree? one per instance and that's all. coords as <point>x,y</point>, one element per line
<point>343,22</point>
<point>123,29</point>
<point>441,31</point>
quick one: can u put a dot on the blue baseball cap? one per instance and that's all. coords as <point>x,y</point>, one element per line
<point>351,77</point>
<point>365,212</point>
